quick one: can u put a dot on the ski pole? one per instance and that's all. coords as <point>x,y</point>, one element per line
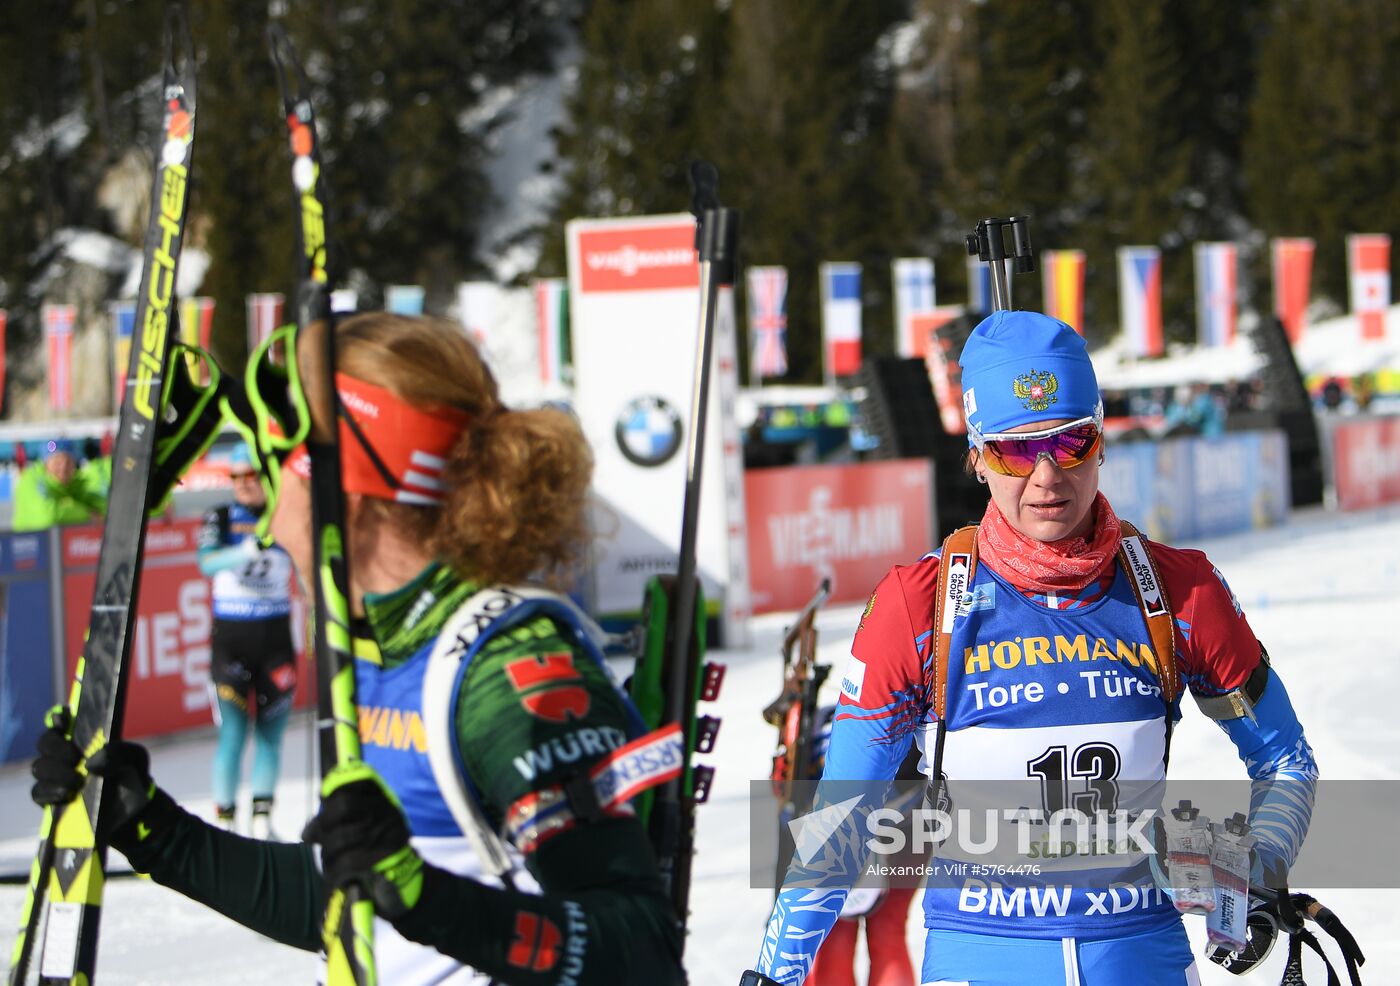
<point>716,242</point>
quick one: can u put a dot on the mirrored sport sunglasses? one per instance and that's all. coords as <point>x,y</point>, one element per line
<point>270,411</point>
<point>1016,454</point>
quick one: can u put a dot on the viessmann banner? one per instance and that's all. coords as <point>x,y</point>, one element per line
<point>168,690</point>
<point>848,523</point>
<point>634,310</point>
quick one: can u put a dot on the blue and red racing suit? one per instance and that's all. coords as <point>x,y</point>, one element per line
<point>1045,687</point>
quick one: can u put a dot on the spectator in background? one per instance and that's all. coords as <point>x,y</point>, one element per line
<point>1194,411</point>
<point>55,491</point>
<point>252,650</point>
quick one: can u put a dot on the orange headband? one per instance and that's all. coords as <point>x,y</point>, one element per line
<point>411,445</point>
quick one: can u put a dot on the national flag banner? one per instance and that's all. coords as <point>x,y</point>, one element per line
<point>197,329</point>
<point>840,286</point>
<point>476,310</point>
<point>123,329</point>
<point>1216,293</point>
<point>1292,263</point>
<point>979,285</point>
<point>1368,269</point>
<point>552,324</point>
<point>915,295</point>
<point>264,315</point>
<point>943,370</point>
<point>403,299</point>
<point>767,297</point>
<point>1140,298</point>
<point>58,331</point>
<point>1063,280</point>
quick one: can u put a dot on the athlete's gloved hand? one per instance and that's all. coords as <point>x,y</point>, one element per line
<point>751,978</point>
<point>57,779</point>
<point>364,839</point>
<point>135,808</point>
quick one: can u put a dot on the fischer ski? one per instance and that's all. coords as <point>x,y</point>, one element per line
<point>671,675</point>
<point>348,929</point>
<point>68,874</point>
<point>794,714</point>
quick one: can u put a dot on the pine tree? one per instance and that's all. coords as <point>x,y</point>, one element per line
<point>1324,137</point>
<point>808,108</point>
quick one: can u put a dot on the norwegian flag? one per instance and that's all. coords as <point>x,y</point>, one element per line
<point>1368,264</point>
<point>264,315</point>
<point>58,330</point>
<point>1140,298</point>
<point>767,296</point>
<point>123,330</point>
<point>1064,286</point>
<point>1292,262</point>
<point>841,318</point>
<point>1216,265</point>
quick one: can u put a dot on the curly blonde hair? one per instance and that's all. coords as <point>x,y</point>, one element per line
<point>517,480</point>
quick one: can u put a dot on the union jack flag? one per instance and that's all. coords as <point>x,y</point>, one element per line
<point>767,288</point>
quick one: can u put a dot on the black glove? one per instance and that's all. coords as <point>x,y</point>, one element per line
<point>364,840</point>
<point>57,779</point>
<point>751,978</point>
<point>135,808</point>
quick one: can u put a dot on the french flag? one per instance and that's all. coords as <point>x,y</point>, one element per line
<point>1140,298</point>
<point>1368,265</point>
<point>1215,293</point>
<point>58,330</point>
<point>840,283</point>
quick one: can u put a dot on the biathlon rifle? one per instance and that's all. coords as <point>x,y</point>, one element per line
<point>988,243</point>
<point>793,713</point>
<point>68,874</point>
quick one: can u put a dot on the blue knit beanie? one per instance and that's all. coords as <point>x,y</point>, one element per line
<point>1024,367</point>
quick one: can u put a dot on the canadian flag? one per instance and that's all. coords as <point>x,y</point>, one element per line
<point>1368,260</point>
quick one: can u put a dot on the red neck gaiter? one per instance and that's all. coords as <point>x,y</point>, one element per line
<point>1049,566</point>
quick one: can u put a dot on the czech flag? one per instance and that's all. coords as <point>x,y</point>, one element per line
<point>1140,298</point>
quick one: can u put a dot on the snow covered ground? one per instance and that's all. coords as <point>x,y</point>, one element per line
<point>1321,592</point>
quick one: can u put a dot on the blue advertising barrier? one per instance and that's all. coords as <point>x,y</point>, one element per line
<point>1199,487</point>
<point>27,687</point>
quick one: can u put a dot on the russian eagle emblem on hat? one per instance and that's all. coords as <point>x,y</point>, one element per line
<point>1036,391</point>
